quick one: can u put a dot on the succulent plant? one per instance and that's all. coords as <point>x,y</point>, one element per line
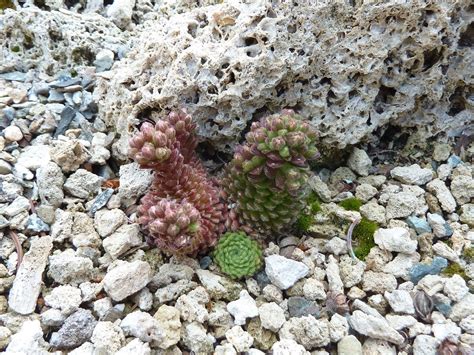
<point>267,176</point>
<point>237,255</point>
<point>182,212</point>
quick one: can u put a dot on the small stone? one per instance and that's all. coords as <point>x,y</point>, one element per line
<point>462,188</point>
<point>419,271</point>
<point>338,328</point>
<point>443,250</point>
<point>126,278</point>
<point>374,327</point>
<point>174,290</point>
<point>76,330</point>
<point>19,205</point>
<point>378,282</point>
<point>143,326</point>
<point>240,339</point>
<point>365,192</point>
<point>467,324</point>
<point>68,154</point>
<point>413,174</point>
<point>448,330</point>
<point>463,308</point>
<point>455,288</point>
<point>107,221</point>
<point>420,225</point>
<point>120,12</point>
<point>441,228</point>
<point>144,299</point>
<point>271,316</point>
<point>123,239</point>
<point>349,345</point>
<point>101,200</point>
<point>102,306</point>
<point>136,346</point>
<point>196,339</point>
<point>27,285</point>
<point>35,225</point>
<point>5,168</point>
<point>83,184</point>
<point>374,212</point>
<point>425,345</point>
<point>400,301</point>
<point>168,318</point>
<point>467,214</point>
<point>395,239</point>
<point>400,266</point>
<point>333,277</point>
<point>104,60</point>
<point>300,307</point>
<point>314,289</point>
<point>12,134</point>
<point>400,322</point>
<point>243,308</point>
<point>52,318</point>
<point>307,331</point>
<point>401,205</point>
<point>284,272</point>
<point>65,298</point>
<point>33,156</point>
<point>67,268</point>
<point>134,182</point>
<point>226,349</point>
<point>444,196</point>
<point>50,182</point>
<point>454,161</point>
<point>359,162</point>
<point>192,306</point>
<point>67,115</point>
<point>441,152</point>
<point>28,340</point>
<point>107,337</point>
<point>289,346</point>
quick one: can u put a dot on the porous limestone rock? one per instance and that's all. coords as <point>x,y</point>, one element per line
<point>126,278</point>
<point>307,331</point>
<point>352,72</point>
<point>51,41</point>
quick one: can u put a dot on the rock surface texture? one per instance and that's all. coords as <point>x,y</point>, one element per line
<point>353,71</point>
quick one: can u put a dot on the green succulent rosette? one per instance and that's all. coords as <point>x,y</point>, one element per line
<point>237,255</point>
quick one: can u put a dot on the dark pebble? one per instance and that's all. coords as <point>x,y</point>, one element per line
<point>76,330</point>
<point>101,200</point>
<point>262,279</point>
<point>300,307</point>
<point>67,115</point>
<point>205,262</point>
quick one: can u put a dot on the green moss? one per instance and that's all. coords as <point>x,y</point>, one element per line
<point>363,237</point>
<point>468,254</point>
<point>15,49</point>
<point>73,73</point>
<point>7,4</point>
<point>454,269</point>
<point>304,222</point>
<point>314,203</point>
<point>306,218</point>
<point>351,204</point>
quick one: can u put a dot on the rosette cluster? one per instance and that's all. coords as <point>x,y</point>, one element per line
<point>182,212</point>
<point>237,255</point>
<point>268,174</point>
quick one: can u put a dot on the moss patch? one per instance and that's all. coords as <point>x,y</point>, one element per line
<point>454,269</point>
<point>351,204</point>
<point>363,237</point>
<point>468,254</point>
<point>306,218</point>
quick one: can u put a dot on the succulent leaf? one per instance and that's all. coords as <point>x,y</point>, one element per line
<point>237,255</point>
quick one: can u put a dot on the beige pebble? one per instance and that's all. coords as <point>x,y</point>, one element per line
<point>13,134</point>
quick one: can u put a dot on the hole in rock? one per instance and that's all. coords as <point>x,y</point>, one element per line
<point>431,57</point>
<point>467,37</point>
<point>108,2</point>
<point>71,3</point>
<point>250,41</point>
<point>384,96</point>
<point>458,102</point>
